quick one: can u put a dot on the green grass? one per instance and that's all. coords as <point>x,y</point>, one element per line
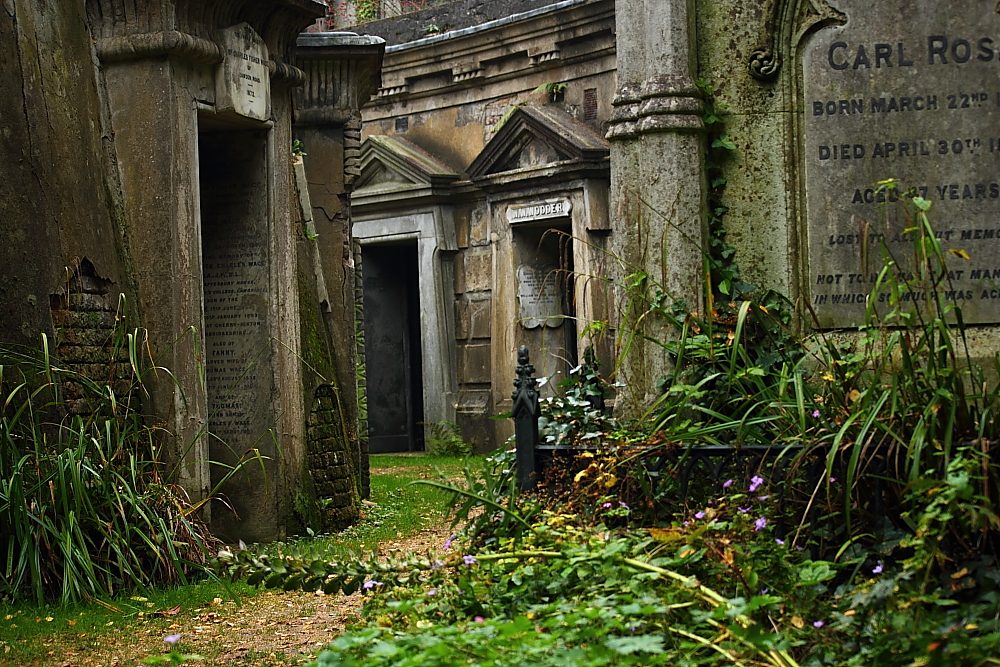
<point>401,511</point>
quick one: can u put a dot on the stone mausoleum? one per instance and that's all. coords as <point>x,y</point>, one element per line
<point>481,210</point>
<point>146,167</point>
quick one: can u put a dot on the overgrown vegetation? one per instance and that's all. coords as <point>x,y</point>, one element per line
<point>858,525</point>
<point>85,510</point>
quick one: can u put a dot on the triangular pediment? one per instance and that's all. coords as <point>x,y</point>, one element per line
<point>393,164</point>
<point>536,137</point>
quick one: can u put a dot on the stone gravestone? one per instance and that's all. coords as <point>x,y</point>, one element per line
<point>243,85</point>
<point>538,297</point>
<point>910,90</point>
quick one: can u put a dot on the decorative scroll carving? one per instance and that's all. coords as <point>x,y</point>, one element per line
<point>764,65</point>
<point>790,21</point>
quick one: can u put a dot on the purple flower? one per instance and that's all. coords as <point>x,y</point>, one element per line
<point>432,591</point>
<point>606,505</point>
<point>728,483</point>
<point>479,619</point>
<point>755,483</point>
<point>818,624</point>
<point>743,510</point>
<point>780,543</point>
<point>436,564</point>
<point>687,523</point>
<point>621,504</point>
<point>447,543</point>
<point>371,583</point>
<point>759,523</point>
<point>469,560</point>
<point>832,480</point>
<point>763,497</point>
<point>764,591</point>
<point>699,515</point>
<point>816,413</point>
<point>877,569</point>
<point>172,639</point>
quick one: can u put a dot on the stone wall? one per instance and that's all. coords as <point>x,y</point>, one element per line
<point>331,461</point>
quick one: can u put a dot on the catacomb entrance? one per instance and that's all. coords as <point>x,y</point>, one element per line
<point>393,362</point>
<point>236,254</point>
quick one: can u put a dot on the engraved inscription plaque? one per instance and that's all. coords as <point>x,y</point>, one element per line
<point>538,297</point>
<point>907,90</point>
<point>243,83</point>
<point>238,355</point>
<point>539,210</point>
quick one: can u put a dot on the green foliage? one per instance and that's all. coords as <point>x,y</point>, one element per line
<point>84,508</point>
<point>576,414</point>
<point>443,438</point>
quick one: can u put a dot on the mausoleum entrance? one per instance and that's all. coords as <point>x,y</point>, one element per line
<point>392,324</point>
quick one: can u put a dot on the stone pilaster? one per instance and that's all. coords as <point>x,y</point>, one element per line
<point>658,187</point>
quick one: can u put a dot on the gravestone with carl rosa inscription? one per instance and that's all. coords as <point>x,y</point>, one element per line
<point>243,84</point>
<point>908,90</point>
<point>539,297</point>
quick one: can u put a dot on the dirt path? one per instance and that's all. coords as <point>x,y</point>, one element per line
<point>272,629</point>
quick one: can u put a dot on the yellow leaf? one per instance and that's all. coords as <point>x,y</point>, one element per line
<point>961,573</point>
<point>854,395</point>
<point>958,252</point>
<point>665,534</point>
<point>580,475</point>
<point>828,377</point>
<point>71,622</point>
<point>609,481</point>
<point>49,619</point>
<point>798,622</point>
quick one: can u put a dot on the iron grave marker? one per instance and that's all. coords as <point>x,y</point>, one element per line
<point>907,90</point>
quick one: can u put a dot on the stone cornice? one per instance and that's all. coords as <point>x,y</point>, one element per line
<point>134,29</point>
<point>182,45</point>
<point>563,33</point>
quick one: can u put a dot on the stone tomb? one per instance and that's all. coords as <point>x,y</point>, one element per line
<point>910,90</point>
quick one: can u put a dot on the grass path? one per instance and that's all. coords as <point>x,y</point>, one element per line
<point>257,628</point>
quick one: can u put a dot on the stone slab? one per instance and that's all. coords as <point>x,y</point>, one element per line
<point>538,297</point>
<point>243,85</point>
<point>908,90</point>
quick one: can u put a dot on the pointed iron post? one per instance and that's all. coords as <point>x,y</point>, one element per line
<point>525,412</point>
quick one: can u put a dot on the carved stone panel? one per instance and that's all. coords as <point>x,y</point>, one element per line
<point>243,83</point>
<point>907,90</point>
<point>538,296</point>
<point>236,262</point>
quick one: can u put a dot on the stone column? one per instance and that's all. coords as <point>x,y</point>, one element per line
<point>658,189</point>
<point>342,72</point>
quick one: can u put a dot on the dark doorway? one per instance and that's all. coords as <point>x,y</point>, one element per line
<point>392,347</point>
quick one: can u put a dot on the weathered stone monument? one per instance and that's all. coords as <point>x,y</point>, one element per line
<point>916,100</point>
<point>823,100</point>
<point>147,153</point>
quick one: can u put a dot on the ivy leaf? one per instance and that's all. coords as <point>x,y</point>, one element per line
<point>630,645</point>
<point>724,142</point>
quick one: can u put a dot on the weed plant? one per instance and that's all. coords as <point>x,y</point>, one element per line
<point>85,511</point>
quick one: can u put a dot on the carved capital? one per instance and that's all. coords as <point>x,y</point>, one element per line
<point>790,21</point>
